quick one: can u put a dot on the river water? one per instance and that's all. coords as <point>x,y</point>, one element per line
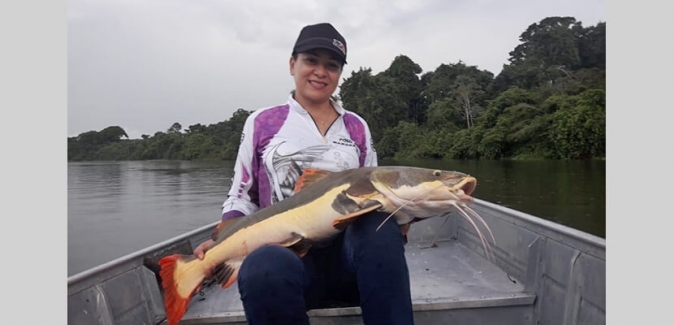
<point>116,208</point>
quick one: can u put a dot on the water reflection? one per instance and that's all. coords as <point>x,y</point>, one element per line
<point>119,207</point>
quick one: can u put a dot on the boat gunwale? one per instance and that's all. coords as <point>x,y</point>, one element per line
<point>596,246</point>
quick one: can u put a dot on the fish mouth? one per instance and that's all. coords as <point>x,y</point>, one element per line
<point>464,189</point>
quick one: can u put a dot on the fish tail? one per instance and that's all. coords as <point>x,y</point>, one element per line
<point>180,280</point>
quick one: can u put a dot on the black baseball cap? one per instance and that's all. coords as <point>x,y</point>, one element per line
<point>322,35</point>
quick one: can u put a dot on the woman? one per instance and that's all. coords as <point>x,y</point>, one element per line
<point>311,130</point>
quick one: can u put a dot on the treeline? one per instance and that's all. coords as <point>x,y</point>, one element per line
<point>548,102</point>
<point>198,142</point>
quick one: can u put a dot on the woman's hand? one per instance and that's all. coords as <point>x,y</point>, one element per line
<point>202,248</point>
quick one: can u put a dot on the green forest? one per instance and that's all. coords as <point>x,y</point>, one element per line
<point>548,102</point>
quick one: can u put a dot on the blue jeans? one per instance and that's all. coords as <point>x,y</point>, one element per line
<point>359,267</point>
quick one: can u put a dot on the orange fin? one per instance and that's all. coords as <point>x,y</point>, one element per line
<point>225,274</point>
<point>342,222</point>
<point>309,176</point>
<point>174,303</point>
<point>222,225</point>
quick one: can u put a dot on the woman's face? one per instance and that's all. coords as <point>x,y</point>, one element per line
<point>316,74</point>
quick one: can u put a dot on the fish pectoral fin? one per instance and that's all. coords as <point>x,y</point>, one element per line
<point>292,240</point>
<point>308,177</point>
<point>301,248</point>
<point>405,228</point>
<point>225,274</point>
<point>297,243</point>
<point>342,222</point>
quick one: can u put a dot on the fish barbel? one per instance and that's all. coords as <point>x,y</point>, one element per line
<point>323,205</point>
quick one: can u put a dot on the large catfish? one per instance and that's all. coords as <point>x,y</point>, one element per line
<point>323,205</point>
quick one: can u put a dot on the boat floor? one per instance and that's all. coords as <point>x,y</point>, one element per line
<point>449,276</point>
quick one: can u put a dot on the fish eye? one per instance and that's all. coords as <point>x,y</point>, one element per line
<point>437,173</point>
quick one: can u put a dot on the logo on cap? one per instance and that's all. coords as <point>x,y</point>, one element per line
<point>339,45</point>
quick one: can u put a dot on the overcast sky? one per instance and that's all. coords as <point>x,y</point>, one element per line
<point>145,64</point>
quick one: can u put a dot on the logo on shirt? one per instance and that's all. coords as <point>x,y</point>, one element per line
<point>345,142</point>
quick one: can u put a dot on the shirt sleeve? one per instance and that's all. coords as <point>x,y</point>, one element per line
<point>243,193</point>
<point>371,154</point>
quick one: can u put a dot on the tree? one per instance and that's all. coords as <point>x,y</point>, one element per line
<point>195,128</point>
<point>406,73</point>
<point>549,55</point>
<point>467,84</point>
<point>443,115</point>
<point>508,98</point>
<point>579,127</point>
<point>467,92</point>
<point>198,146</point>
<point>175,128</point>
<point>551,42</point>
<point>377,99</point>
<point>591,43</point>
<point>112,134</point>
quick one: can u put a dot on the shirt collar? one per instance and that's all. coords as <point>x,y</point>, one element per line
<point>294,105</point>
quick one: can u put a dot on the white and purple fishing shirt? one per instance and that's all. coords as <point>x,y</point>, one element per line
<point>278,142</point>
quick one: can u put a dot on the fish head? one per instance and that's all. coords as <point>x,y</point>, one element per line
<point>420,192</point>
